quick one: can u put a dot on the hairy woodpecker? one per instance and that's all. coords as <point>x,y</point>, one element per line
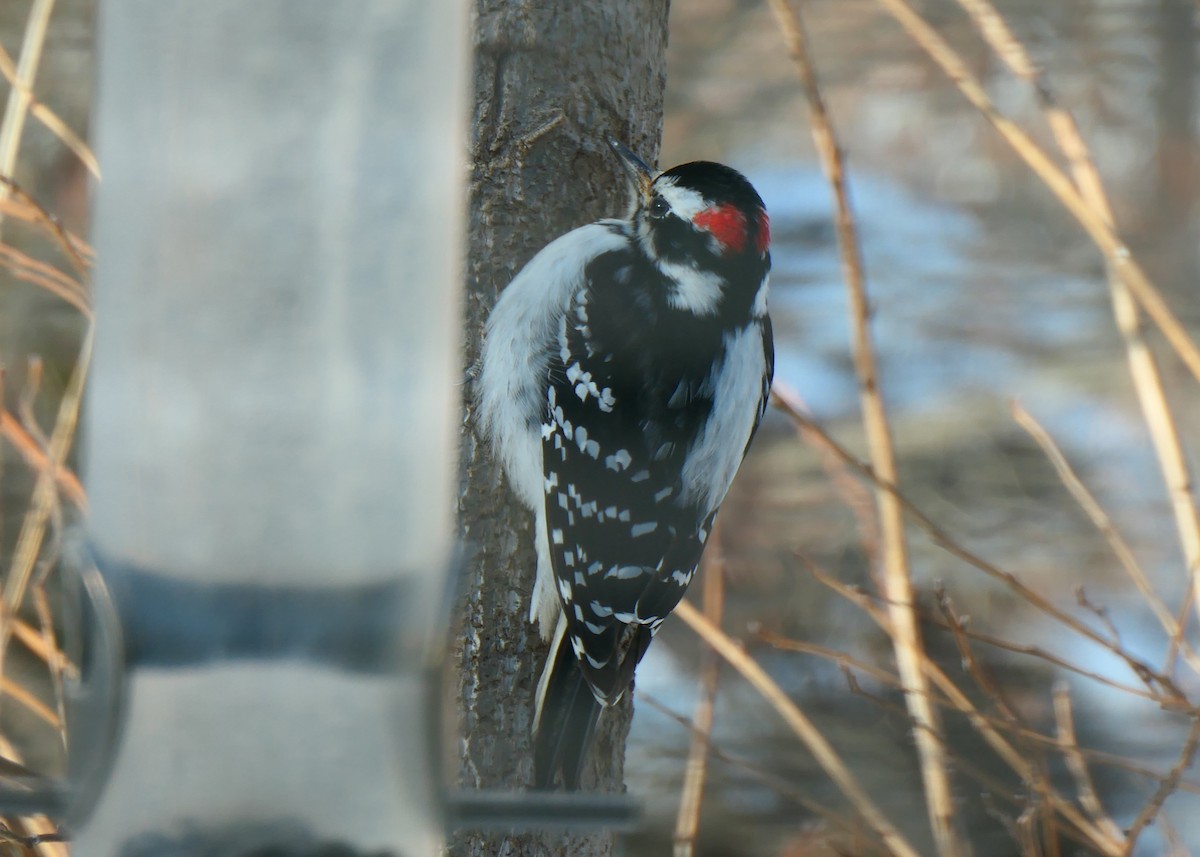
<point>624,371</point>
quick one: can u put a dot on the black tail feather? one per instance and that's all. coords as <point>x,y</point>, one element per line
<point>567,715</point>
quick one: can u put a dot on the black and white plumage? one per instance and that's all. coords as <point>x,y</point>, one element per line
<point>624,372</point>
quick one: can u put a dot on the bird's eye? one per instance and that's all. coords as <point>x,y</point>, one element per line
<point>659,208</point>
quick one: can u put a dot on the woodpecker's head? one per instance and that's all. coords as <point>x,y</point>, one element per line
<point>706,228</point>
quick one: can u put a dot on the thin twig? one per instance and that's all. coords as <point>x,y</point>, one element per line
<point>49,118</point>
<point>1028,824</point>
<point>45,498</point>
<point>981,676</point>
<point>20,208</point>
<point>1103,614</point>
<point>25,411</point>
<point>962,765</point>
<point>21,92</point>
<point>812,738</point>
<point>22,695</point>
<point>43,831</point>
<point>1165,789</point>
<point>1172,695</point>
<point>1143,368</point>
<point>1116,253</point>
<point>31,638</point>
<point>1037,777</point>
<point>1054,660</point>
<point>46,620</point>
<point>846,662</point>
<point>780,784</point>
<point>35,456</point>
<point>1104,524</point>
<point>842,659</point>
<point>1175,846</point>
<point>47,277</point>
<point>897,574</point>
<point>851,490</point>
<point>1088,799</point>
<point>1182,615</point>
<point>687,821</point>
<point>75,248</point>
<point>1011,756</point>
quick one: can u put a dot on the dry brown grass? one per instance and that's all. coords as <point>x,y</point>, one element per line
<point>27,615</point>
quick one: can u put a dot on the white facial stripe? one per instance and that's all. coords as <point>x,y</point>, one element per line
<point>691,289</point>
<point>684,202</point>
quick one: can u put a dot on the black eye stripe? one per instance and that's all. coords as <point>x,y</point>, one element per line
<point>659,207</point>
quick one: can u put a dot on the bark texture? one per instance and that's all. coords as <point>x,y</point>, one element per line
<point>553,80</point>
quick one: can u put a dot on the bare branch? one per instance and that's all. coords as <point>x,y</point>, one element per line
<point>1116,253</point>
<point>812,738</point>
<point>897,573</point>
<point>688,819</point>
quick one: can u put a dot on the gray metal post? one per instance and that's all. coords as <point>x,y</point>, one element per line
<point>272,411</point>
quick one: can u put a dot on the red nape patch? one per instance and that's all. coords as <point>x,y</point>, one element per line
<point>726,224</point>
<point>763,241</point>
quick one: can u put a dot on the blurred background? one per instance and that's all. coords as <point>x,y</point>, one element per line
<point>984,291</point>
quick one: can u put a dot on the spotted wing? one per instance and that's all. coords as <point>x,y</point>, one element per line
<point>624,543</point>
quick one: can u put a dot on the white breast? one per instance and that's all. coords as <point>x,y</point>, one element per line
<point>716,454</point>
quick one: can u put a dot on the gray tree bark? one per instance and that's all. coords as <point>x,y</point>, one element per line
<point>553,80</point>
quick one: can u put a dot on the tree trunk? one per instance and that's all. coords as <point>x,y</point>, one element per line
<point>553,81</point>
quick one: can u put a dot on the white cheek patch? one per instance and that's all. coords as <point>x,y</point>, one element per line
<point>693,290</point>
